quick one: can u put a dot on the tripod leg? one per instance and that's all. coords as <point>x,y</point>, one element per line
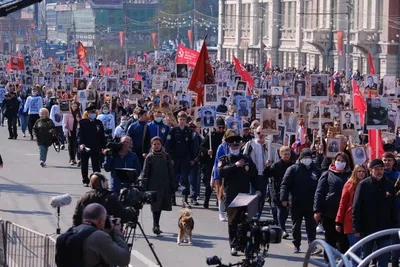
<point>151,246</point>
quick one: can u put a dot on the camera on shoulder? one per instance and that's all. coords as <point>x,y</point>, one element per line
<point>113,148</point>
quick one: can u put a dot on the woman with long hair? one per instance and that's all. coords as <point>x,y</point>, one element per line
<point>344,222</point>
<point>43,131</point>
<point>327,200</point>
<point>70,122</point>
<point>159,176</point>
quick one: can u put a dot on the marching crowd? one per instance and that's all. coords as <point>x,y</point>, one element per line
<point>173,153</point>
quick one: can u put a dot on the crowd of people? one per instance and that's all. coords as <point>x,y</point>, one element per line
<point>230,149</point>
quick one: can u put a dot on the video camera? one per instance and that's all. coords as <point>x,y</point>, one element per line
<point>133,194</point>
<point>113,148</point>
<point>253,235</point>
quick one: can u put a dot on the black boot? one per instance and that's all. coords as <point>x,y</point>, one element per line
<point>173,200</point>
<point>156,230</point>
<point>207,197</point>
<point>185,204</point>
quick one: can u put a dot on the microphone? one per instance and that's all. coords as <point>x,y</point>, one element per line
<point>60,201</point>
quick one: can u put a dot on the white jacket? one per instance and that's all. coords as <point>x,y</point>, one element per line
<point>56,116</point>
<point>258,153</point>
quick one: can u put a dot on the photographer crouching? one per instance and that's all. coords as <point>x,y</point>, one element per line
<point>119,156</point>
<point>100,194</point>
<point>237,171</point>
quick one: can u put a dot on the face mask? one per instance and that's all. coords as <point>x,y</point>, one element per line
<point>105,111</point>
<point>306,162</point>
<point>340,165</point>
<point>158,119</point>
<point>235,152</point>
<point>92,116</point>
<point>123,123</point>
<point>34,93</point>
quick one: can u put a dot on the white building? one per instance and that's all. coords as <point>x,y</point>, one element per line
<point>299,33</point>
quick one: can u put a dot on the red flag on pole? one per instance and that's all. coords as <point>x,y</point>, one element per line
<point>245,74</point>
<point>332,85</point>
<point>109,71</point>
<point>190,37</point>
<point>121,39</point>
<point>202,74</point>
<point>268,64</point>
<point>101,71</point>
<point>359,101</point>
<point>371,64</point>
<point>81,51</point>
<point>373,141</point>
<point>70,70</point>
<point>137,77</point>
<point>340,42</point>
<point>86,69</point>
<point>154,37</point>
<point>147,56</point>
<point>130,61</point>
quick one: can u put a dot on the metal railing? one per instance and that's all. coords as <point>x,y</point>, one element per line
<point>344,259</point>
<point>20,247</point>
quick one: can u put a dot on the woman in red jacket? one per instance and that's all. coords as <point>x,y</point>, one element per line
<point>343,217</point>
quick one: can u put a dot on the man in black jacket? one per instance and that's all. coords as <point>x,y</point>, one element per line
<point>374,209</point>
<point>237,172</point>
<point>207,157</point>
<point>276,173</point>
<point>91,141</point>
<point>300,181</point>
<point>100,194</point>
<point>11,106</point>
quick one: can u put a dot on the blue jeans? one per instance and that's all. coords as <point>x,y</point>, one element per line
<point>352,240</point>
<point>24,122</point>
<point>383,260</point>
<point>194,180</point>
<point>43,152</point>
<point>283,214</point>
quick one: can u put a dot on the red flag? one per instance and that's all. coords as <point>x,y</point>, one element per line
<point>371,64</point>
<point>19,54</point>
<point>376,152</point>
<point>130,61</point>
<point>190,37</point>
<point>121,39</point>
<point>147,56</point>
<point>332,91</point>
<point>268,64</point>
<point>101,71</point>
<point>137,77</point>
<point>154,37</point>
<point>160,68</point>
<point>186,56</point>
<point>340,42</point>
<point>16,64</point>
<point>245,74</point>
<point>70,70</point>
<point>359,101</point>
<point>202,74</point>
<point>109,71</point>
<point>81,51</point>
<point>86,69</point>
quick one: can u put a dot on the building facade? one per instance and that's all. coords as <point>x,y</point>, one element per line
<point>303,33</point>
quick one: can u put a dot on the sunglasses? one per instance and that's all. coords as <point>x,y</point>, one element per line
<point>234,145</point>
<point>221,127</point>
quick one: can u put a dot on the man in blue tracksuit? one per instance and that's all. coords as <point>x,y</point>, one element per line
<point>180,148</point>
<point>158,128</point>
<point>138,131</point>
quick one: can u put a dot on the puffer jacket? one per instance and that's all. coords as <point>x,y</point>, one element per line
<point>329,191</point>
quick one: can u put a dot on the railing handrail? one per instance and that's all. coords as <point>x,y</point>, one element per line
<point>24,228</point>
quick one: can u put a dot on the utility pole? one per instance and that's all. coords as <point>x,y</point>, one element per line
<point>125,39</point>
<point>261,40</point>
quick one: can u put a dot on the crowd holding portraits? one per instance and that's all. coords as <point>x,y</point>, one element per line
<point>269,121</point>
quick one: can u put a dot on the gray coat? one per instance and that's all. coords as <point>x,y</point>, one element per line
<point>160,178</point>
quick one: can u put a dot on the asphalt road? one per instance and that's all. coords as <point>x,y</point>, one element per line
<point>25,190</point>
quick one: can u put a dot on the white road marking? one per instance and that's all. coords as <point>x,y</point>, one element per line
<point>143,259</point>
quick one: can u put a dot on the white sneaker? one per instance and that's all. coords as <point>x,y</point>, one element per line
<point>320,229</point>
<point>222,217</point>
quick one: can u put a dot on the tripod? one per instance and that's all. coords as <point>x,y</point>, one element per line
<point>130,233</point>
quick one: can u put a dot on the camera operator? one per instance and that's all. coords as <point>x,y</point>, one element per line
<point>100,194</point>
<point>237,171</point>
<point>101,242</point>
<point>124,158</point>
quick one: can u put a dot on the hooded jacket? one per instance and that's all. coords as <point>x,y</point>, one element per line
<point>56,116</point>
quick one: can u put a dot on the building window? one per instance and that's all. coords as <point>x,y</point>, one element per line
<point>283,16</point>
<point>306,16</point>
<point>289,15</point>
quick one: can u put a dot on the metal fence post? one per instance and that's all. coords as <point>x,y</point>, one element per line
<point>3,238</point>
<point>46,252</point>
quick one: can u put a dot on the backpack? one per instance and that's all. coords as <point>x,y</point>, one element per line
<point>69,247</point>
